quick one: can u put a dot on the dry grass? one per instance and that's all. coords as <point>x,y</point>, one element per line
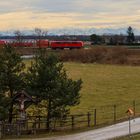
<point>102,55</point>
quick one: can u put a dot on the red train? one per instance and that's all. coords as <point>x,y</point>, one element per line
<point>21,44</point>
<point>66,44</point>
<point>46,44</point>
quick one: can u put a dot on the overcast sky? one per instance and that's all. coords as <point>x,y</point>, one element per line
<point>47,14</point>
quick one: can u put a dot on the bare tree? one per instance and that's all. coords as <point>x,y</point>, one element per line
<point>40,34</point>
<point>18,36</point>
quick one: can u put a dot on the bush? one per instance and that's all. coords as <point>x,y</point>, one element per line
<point>115,55</point>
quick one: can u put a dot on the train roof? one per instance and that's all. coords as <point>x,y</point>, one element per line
<point>66,41</point>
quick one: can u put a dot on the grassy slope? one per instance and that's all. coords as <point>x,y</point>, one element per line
<point>106,85</point>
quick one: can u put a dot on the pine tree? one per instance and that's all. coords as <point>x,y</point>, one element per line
<point>47,80</point>
<point>96,39</point>
<point>130,36</point>
<point>11,78</point>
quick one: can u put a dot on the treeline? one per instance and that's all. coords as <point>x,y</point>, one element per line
<point>108,39</point>
<point>129,39</point>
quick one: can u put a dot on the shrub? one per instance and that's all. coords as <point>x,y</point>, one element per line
<point>115,55</point>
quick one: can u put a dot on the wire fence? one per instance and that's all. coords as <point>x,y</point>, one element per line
<point>103,115</point>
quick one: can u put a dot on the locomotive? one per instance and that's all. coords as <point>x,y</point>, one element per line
<point>45,44</point>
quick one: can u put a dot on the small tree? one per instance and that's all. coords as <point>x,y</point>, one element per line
<point>47,80</point>
<point>130,35</point>
<point>19,39</point>
<point>96,39</point>
<point>11,79</point>
<point>18,36</point>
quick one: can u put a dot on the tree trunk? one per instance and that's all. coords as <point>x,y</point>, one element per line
<point>11,106</point>
<point>10,113</point>
<point>48,115</point>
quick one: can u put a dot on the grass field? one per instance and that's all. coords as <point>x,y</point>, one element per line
<point>106,85</point>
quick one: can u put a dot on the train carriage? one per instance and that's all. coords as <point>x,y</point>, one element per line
<point>45,44</point>
<point>66,44</point>
<point>21,44</point>
<point>2,43</point>
<point>42,43</point>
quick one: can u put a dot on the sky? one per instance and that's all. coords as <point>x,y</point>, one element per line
<point>55,14</point>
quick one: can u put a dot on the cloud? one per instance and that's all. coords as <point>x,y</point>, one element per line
<point>63,13</point>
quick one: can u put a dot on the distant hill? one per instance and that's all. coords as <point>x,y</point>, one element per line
<point>75,31</point>
<point>101,31</point>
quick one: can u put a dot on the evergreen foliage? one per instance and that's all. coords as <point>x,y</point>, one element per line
<point>96,39</point>
<point>11,77</point>
<point>47,80</point>
<point>130,36</point>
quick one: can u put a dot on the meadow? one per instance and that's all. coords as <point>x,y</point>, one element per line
<point>105,84</point>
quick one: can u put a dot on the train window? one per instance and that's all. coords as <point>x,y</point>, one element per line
<point>66,42</point>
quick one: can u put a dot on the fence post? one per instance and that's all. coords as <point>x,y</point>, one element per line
<point>34,128</point>
<point>27,124</point>
<point>95,117</point>
<point>114,113</point>
<point>18,125</point>
<point>72,121</point>
<point>39,121</point>
<point>88,118</point>
<point>1,130</point>
<point>134,107</point>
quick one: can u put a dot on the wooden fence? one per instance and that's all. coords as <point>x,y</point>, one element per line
<point>36,124</point>
<point>104,115</point>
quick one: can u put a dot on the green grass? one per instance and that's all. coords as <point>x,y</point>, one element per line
<point>106,85</point>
